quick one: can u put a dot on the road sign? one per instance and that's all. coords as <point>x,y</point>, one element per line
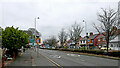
<point>37,40</point>
<point>31,40</point>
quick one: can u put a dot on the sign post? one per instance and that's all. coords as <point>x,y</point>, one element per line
<point>37,41</point>
<point>31,41</point>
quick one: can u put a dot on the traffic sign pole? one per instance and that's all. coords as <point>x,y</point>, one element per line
<point>37,41</point>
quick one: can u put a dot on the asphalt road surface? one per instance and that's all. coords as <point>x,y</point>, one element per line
<point>61,59</point>
<point>70,59</point>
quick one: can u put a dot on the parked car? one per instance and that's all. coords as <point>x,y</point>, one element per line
<point>6,56</point>
<point>105,48</point>
<point>53,47</point>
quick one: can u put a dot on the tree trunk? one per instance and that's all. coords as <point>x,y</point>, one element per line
<point>107,40</point>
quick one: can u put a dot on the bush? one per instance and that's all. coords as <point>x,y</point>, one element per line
<point>98,52</point>
<point>114,53</point>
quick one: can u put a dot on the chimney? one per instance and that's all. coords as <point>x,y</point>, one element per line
<point>91,33</point>
<point>86,34</point>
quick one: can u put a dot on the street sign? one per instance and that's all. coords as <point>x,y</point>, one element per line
<point>31,41</point>
<point>37,40</point>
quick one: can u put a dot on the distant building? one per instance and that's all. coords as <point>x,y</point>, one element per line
<point>58,44</point>
<point>34,31</point>
<point>83,41</point>
<point>92,41</point>
<point>115,43</point>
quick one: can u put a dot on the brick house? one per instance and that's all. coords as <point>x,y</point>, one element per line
<point>100,41</point>
<point>92,41</point>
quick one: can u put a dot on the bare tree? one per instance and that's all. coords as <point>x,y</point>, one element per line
<point>108,24</point>
<point>52,41</point>
<point>75,32</point>
<point>62,36</point>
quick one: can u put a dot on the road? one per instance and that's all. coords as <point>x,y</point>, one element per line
<point>70,59</point>
<point>60,59</point>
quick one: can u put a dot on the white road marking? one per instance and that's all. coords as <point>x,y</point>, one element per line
<point>68,54</point>
<point>82,60</point>
<point>55,56</point>
<point>72,54</point>
<point>58,66</point>
<point>59,57</point>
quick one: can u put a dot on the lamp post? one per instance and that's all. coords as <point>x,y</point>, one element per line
<point>36,35</point>
<point>35,25</point>
<point>85,30</point>
<point>85,26</point>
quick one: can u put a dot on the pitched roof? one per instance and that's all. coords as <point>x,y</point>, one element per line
<point>92,36</point>
<point>70,40</point>
<point>84,38</point>
<point>102,36</point>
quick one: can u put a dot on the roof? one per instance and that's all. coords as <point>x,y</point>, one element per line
<point>102,36</point>
<point>84,38</point>
<point>92,36</point>
<point>70,40</point>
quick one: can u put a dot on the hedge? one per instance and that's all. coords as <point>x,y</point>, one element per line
<point>98,52</point>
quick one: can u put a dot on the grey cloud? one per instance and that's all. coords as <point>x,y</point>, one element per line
<point>54,14</point>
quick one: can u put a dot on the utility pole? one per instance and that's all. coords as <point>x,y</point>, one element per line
<point>85,31</point>
<point>85,26</point>
<point>36,35</point>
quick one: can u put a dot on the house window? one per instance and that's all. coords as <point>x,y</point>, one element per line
<point>119,45</point>
<point>84,41</point>
<point>111,45</point>
<point>92,41</point>
<point>81,41</point>
<point>103,39</point>
<point>99,39</point>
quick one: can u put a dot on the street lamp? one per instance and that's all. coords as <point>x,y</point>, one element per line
<point>85,30</point>
<point>35,34</point>
<point>85,26</point>
<point>35,25</point>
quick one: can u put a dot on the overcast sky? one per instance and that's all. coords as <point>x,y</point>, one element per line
<point>54,14</point>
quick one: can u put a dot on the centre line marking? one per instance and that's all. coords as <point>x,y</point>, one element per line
<point>52,61</point>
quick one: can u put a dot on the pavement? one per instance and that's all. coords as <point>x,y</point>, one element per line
<point>30,58</point>
<point>0,57</point>
<point>60,59</point>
